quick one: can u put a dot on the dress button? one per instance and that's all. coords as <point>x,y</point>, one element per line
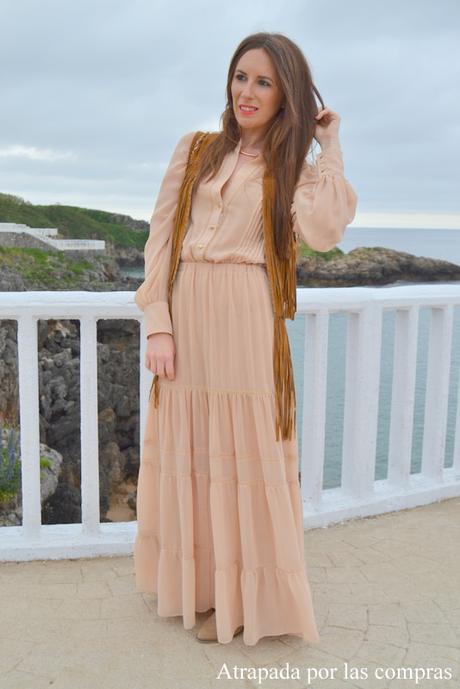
<point>212,227</point>
<point>200,246</point>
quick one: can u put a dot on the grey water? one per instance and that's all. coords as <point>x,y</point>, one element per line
<point>439,244</point>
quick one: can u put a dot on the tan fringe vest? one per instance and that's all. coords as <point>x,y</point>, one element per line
<point>282,279</point>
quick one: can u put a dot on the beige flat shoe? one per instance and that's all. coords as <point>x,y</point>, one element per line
<point>238,630</point>
<point>207,633</point>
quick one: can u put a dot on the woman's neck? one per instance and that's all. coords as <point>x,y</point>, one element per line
<point>252,142</point>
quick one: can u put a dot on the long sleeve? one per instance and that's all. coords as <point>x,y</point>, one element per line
<point>152,295</point>
<point>324,201</point>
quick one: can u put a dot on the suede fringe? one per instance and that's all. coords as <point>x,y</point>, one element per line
<point>283,282</point>
<point>282,279</point>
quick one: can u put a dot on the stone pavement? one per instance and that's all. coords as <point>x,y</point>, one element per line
<point>386,591</point>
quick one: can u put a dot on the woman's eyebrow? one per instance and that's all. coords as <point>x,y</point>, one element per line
<point>261,76</point>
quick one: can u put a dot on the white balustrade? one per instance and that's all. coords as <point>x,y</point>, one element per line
<point>359,493</point>
<point>47,234</point>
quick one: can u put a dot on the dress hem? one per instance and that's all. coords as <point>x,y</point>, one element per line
<point>179,596</point>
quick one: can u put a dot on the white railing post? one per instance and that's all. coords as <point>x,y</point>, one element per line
<point>456,453</point>
<point>361,401</point>
<point>314,406</point>
<point>29,426</point>
<point>90,509</point>
<point>437,392</point>
<point>402,396</point>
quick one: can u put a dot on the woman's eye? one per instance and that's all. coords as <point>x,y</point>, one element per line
<point>262,81</point>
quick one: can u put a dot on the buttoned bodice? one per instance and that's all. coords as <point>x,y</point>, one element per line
<point>226,218</point>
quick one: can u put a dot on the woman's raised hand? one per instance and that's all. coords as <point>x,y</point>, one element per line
<point>327,128</point>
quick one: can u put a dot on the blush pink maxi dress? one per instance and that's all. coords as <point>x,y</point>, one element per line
<point>219,510</point>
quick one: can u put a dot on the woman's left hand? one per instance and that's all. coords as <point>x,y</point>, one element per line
<point>327,129</point>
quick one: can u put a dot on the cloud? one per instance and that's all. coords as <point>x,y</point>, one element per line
<point>95,95</point>
<point>34,153</point>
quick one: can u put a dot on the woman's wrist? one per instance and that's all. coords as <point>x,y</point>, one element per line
<point>330,143</point>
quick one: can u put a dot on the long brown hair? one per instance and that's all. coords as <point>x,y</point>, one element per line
<point>290,136</point>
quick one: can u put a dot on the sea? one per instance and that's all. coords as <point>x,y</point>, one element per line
<point>430,243</point>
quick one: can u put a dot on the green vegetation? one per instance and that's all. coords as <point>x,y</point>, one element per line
<point>10,465</point>
<point>305,252</point>
<point>72,222</point>
<point>51,270</point>
<point>85,223</point>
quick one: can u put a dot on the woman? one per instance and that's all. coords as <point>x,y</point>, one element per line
<point>220,525</point>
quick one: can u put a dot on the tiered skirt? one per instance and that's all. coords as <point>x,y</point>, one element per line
<point>219,511</point>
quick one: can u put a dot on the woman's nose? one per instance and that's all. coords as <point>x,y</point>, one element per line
<point>247,92</point>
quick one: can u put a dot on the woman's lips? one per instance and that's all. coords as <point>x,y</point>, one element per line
<point>247,112</point>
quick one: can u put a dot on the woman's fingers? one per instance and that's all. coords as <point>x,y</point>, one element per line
<point>170,369</point>
<point>320,113</point>
<point>163,367</point>
<point>326,111</point>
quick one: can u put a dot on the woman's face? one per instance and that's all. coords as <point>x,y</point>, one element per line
<point>255,83</point>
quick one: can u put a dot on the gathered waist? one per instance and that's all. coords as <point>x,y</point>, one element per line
<point>252,275</point>
<point>203,265</point>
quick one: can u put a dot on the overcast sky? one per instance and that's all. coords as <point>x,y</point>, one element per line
<point>94,95</point>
